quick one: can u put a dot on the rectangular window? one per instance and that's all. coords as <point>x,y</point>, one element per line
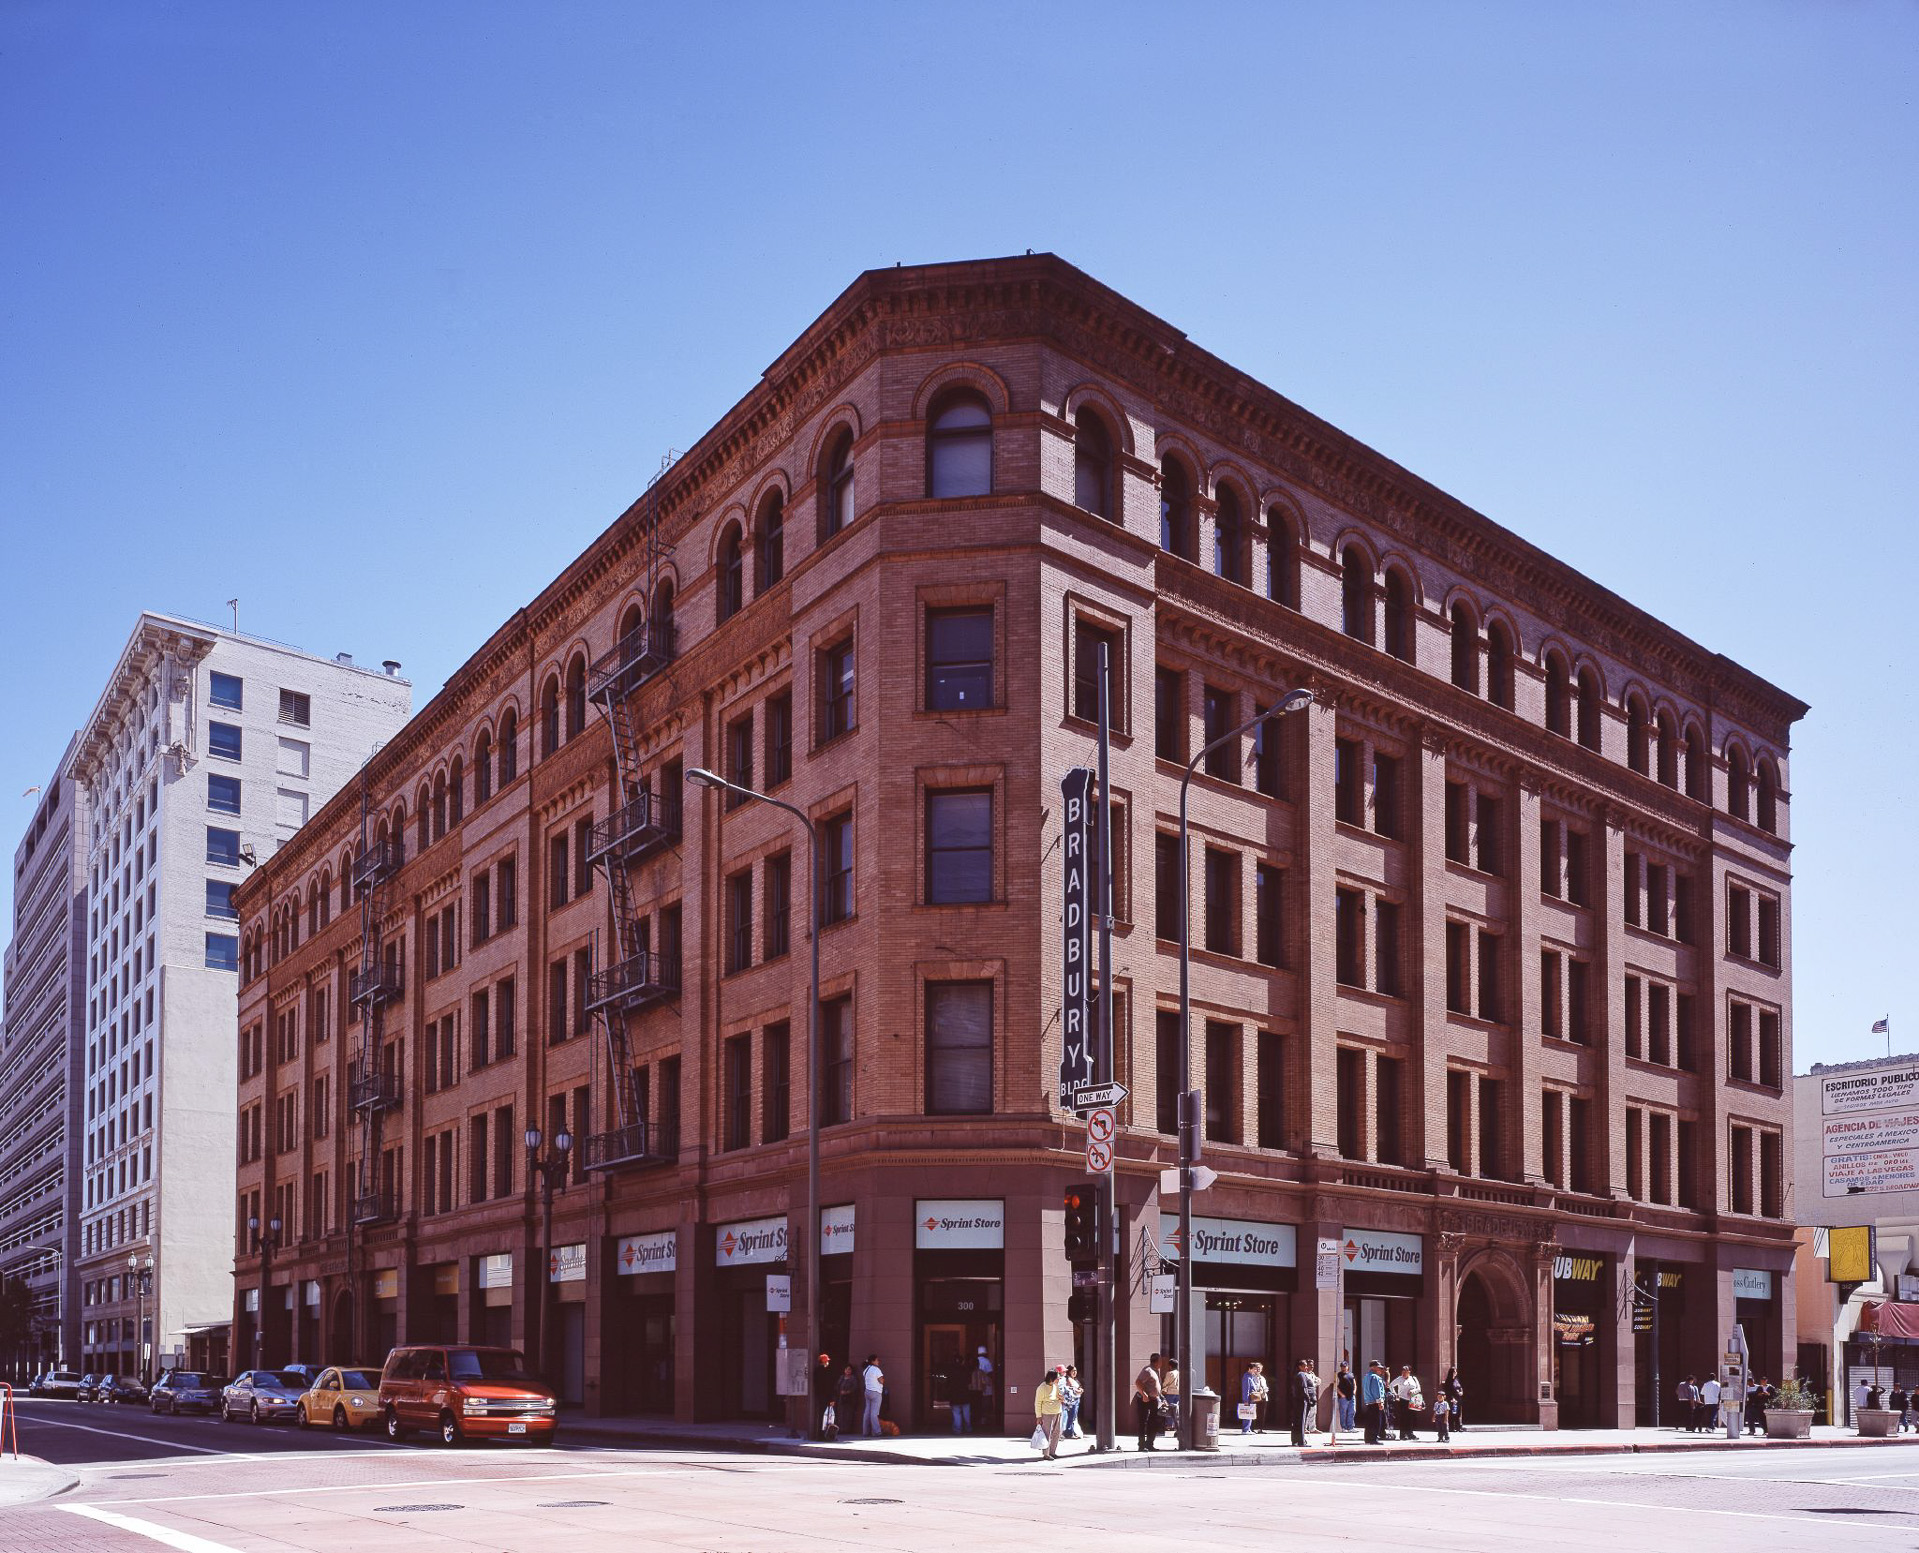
<point>959,1048</point>
<point>558,876</point>
<point>959,847</point>
<point>296,708</point>
<point>1166,1071</point>
<point>223,793</point>
<point>736,1131</point>
<point>1222,1081</point>
<point>1771,1180</point>
<point>1216,721</point>
<point>778,888</point>
<point>1635,1153</point>
<point>1550,1022</point>
<point>1350,1085</point>
<point>1685,1051</point>
<point>1386,795</point>
<point>1739,1062</point>
<point>225,690</point>
<point>1579,1144</point>
<point>223,846</point>
<point>220,900</point>
<point>583,856</point>
<point>556,1026</point>
<point>1388,1110</point>
<point>1270,1060</point>
<point>1488,855</point>
<point>1169,715</point>
<point>509,893</point>
<point>1552,1136</point>
<point>1269,765</point>
<point>1087,640</point>
<point>959,659</point>
<point>1770,1056</point>
<point>480,1023</point>
<point>739,758</point>
<point>450,937</point>
<point>1635,1019</point>
<point>505,1142</point>
<point>223,952</point>
<point>836,690</point>
<point>836,842</point>
<point>582,990</point>
<point>1269,942</point>
<point>1222,901</point>
<point>223,740</point>
<point>1386,948</point>
<point>1740,1166</point>
<point>1550,859</point>
<point>836,1043</point>
<point>1659,1133</point>
<point>739,920</point>
<point>1459,968</point>
<point>1490,1002</point>
<point>476,1156</point>
<point>1659,1023</point>
<point>482,908</point>
<point>1578,1006</point>
<point>431,944</point>
<point>1169,886</point>
<point>1682,907</point>
<point>777,1089</point>
<point>1658,919</point>
<point>1459,1121</point>
<point>1349,793</point>
<point>1688,1171</point>
<point>779,740</point>
<point>1458,841</point>
<point>505,1017</point>
<point>1491,1131</point>
<point>1578,870</point>
<point>1769,952</point>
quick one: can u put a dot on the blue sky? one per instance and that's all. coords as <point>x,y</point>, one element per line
<point>374,315</point>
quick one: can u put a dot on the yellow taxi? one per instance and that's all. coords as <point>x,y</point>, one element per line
<point>346,1399</point>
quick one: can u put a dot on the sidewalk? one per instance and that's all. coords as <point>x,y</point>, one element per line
<point>1235,1450</point>
<point>28,1479</point>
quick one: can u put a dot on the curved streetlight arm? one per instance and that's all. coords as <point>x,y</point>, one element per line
<point>810,1236</point>
<point>1292,701</point>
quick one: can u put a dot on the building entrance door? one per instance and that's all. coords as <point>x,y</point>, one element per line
<point>946,1362</point>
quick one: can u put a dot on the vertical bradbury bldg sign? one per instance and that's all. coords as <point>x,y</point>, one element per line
<point>1076,919</point>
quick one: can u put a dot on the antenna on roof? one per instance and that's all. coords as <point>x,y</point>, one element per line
<point>234,605</point>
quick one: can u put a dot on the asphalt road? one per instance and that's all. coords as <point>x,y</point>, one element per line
<point>201,1487</point>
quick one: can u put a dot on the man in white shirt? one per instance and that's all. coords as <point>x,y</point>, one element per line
<point>1709,1400</point>
<point>874,1379</point>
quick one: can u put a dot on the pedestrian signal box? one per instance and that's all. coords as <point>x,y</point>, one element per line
<point>1082,1224</point>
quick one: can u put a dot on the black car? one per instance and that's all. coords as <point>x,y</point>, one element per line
<point>186,1391</point>
<point>92,1384</point>
<point>262,1395</point>
<point>122,1388</point>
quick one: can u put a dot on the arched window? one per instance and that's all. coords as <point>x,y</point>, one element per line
<point>836,508</point>
<point>1589,709</point>
<point>423,820</point>
<point>1282,558</point>
<point>732,574</point>
<point>1092,465</point>
<point>1176,511</point>
<point>661,635</point>
<point>439,806</point>
<point>770,543</point>
<point>1738,784</point>
<point>326,896</point>
<point>959,448</point>
<point>1229,537</point>
<point>1465,649</point>
<point>1558,697</point>
<point>1698,783</point>
<point>631,621</point>
<point>1399,615</point>
<point>550,716</point>
<point>509,746</point>
<point>576,696</point>
<point>1636,734</point>
<point>483,767</point>
<point>346,882</point>
<point>456,792</point>
<point>1768,816</point>
<point>1356,593</point>
<point>1499,665</point>
<point>1666,766</point>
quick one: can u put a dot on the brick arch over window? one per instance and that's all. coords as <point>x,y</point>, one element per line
<point>1178,509</point>
<point>1638,732</point>
<point>1767,794</point>
<point>550,714</point>
<point>1358,585</point>
<point>729,567</point>
<point>1232,530</point>
<point>1286,544</point>
<point>1555,664</point>
<point>1462,624</point>
<point>1400,592</point>
<point>958,376</point>
<point>1665,765</point>
<point>769,534</point>
<point>1094,397</point>
<point>842,420</point>
<point>1589,687</point>
<point>1503,652</point>
<point>1698,761</point>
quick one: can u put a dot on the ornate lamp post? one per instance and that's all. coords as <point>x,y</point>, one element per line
<point>269,1240</point>
<point>550,1166</point>
<point>140,1275</point>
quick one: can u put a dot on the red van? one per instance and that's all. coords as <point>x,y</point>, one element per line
<point>464,1392</point>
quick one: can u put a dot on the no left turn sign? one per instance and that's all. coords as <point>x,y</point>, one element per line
<point>1099,1126</point>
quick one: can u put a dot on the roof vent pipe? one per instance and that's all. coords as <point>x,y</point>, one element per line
<point>391,665</point>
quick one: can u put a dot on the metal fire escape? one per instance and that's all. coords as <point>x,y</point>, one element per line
<point>373,1080</point>
<point>646,818</point>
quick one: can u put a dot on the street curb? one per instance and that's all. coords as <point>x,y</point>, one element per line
<point>1321,1455</point>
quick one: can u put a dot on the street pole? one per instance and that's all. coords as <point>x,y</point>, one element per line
<point>810,1236</point>
<point>1191,1112</point>
<point>550,1165</point>
<point>1106,1337</point>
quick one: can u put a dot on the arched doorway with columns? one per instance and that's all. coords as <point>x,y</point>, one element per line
<point>1495,1338</point>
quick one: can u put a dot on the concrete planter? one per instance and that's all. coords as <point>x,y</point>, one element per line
<point>1876,1423</point>
<point>1788,1423</point>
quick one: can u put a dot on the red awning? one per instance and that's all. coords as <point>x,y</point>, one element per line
<point>1891,1318</point>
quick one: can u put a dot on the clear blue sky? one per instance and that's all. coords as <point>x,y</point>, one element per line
<point>374,314</point>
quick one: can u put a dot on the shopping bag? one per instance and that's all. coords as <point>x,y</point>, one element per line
<point>829,1419</point>
<point>1038,1442</point>
<point>1249,1410</point>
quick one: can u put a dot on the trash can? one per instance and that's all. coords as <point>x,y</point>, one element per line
<point>1205,1405</point>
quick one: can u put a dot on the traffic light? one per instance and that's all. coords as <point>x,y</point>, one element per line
<point>1082,1306</point>
<point>1082,1224</point>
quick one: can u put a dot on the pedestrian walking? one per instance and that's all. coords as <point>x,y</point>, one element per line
<point>1408,1400</point>
<point>1148,1399</point>
<point>1049,1409</point>
<point>1072,1393</point>
<point>873,1384</point>
<point>1372,1398</point>
<point>1709,1403</point>
<point>1687,1396</point>
<point>826,1388</point>
<point>1345,1390</point>
<point>1253,1391</point>
<point>1454,1391</point>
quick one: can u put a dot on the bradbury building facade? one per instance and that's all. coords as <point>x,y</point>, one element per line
<point>1490,944</point>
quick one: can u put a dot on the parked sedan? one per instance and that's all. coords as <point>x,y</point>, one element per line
<point>58,1383</point>
<point>91,1384</point>
<point>346,1399</point>
<point>260,1396</point>
<point>186,1391</point>
<point>122,1388</point>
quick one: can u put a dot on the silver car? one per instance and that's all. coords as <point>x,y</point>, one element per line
<point>260,1396</point>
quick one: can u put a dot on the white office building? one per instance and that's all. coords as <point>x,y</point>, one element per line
<point>205,752</point>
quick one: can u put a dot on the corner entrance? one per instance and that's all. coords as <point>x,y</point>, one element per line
<point>1494,1344</point>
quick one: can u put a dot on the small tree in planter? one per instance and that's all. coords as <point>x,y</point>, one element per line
<point>1789,1414</point>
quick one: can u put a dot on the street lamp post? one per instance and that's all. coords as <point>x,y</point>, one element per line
<point>1190,1112</point>
<point>550,1166</point>
<point>140,1275</point>
<point>810,1236</point>
<point>269,1241</point>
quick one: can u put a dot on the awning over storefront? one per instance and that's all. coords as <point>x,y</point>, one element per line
<point>1891,1318</point>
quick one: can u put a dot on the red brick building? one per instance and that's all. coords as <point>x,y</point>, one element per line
<point>1490,968</point>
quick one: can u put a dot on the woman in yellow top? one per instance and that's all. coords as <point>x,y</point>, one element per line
<point>1048,1404</point>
